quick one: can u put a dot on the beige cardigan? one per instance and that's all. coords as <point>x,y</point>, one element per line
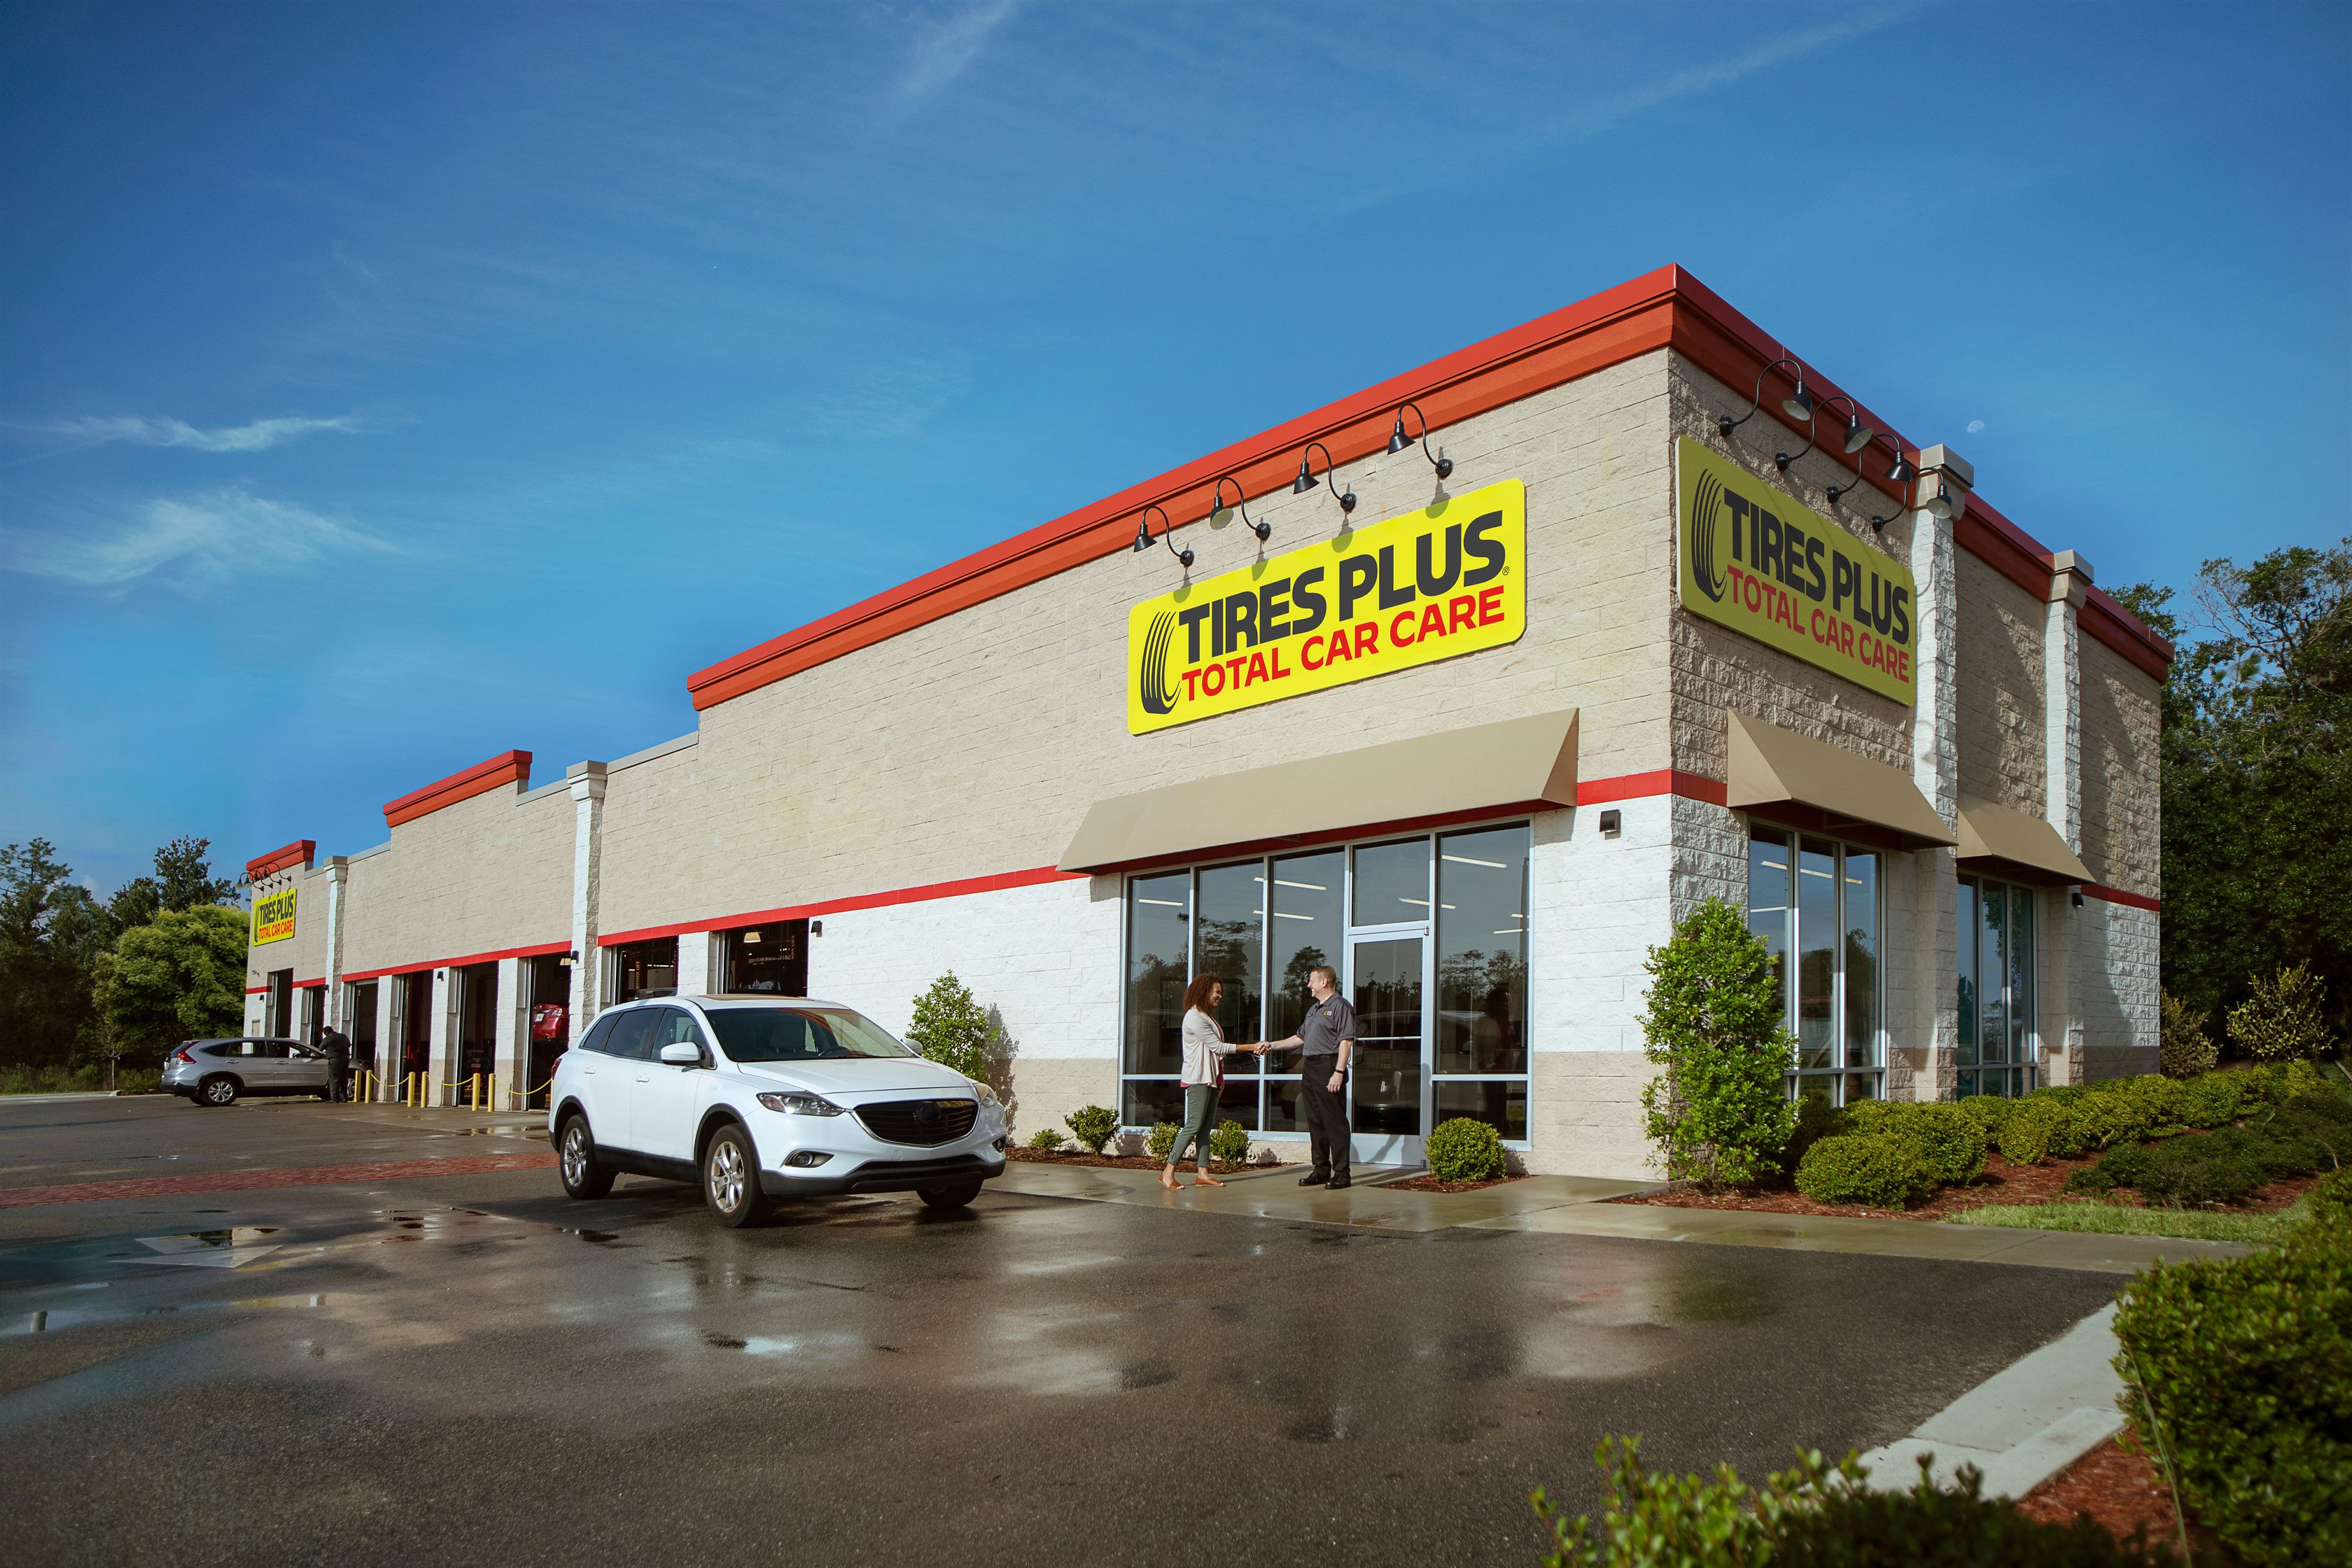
<point>1204,1044</point>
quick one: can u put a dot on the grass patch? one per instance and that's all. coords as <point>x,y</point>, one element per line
<point>2113,1219</point>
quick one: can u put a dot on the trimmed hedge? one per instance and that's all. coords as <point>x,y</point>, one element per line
<point>1230,1143</point>
<point>1860,1168</point>
<point>2310,1133</point>
<point>1945,1138</point>
<point>2240,1374</point>
<point>1464,1150</point>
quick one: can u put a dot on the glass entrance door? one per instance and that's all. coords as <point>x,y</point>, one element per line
<point>1385,985</point>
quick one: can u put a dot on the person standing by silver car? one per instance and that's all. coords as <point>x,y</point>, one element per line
<point>338,1048</point>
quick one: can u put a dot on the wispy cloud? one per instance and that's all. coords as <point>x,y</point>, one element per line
<point>945,49</point>
<point>203,539</point>
<point>258,436</point>
<point>1610,108</point>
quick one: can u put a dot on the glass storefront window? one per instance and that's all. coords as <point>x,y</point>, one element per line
<point>1997,1046</point>
<point>1816,904</point>
<point>1263,925</point>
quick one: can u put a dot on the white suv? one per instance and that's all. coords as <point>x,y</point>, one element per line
<point>758,1098</point>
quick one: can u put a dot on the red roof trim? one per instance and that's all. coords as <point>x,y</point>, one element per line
<point>507,767</point>
<point>1641,786</point>
<point>2117,896</point>
<point>538,950</point>
<point>1667,308</point>
<point>960,888</point>
<point>299,853</point>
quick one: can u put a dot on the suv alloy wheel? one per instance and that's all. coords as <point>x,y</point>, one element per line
<point>218,1090</point>
<point>730,1178</point>
<point>575,1154</point>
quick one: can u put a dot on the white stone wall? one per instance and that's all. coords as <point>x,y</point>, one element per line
<point>1046,958</point>
<point>487,874</point>
<point>2003,738</point>
<point>2115,965</point>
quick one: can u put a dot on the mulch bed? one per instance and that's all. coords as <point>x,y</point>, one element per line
<point>1431,1184</point>
<point>2002,1182</point>
<point>1124,1161</point>
<point>2117,1487</point>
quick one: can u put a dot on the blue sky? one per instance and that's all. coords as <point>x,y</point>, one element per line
<point>384,387</point>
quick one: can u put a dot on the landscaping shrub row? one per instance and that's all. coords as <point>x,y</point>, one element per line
<point>2240,1375</point>
<point>1891,1155</point>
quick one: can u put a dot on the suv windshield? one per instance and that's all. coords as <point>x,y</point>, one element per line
<point>799,1035</point>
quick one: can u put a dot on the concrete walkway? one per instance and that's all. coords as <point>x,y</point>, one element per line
<point>1577,1205</point>
<point>2023,1425</point>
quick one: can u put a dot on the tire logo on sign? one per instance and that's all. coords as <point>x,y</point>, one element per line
<point>1707,507</point>
<point>1151,671</point>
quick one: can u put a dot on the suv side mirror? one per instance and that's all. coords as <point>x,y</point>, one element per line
<point>681,1054</point>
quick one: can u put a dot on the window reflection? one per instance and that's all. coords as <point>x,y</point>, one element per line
<point>1392,883</point>
<point>1229,942</point>
<point>1817,906</point>
<point>1482,967</point>
<point>1157,947</point>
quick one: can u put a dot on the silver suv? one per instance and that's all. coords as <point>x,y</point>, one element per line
<point>217,1072</point>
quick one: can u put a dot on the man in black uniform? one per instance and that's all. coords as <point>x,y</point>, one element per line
<point>1325,1039</point>
<point>338,1063</point>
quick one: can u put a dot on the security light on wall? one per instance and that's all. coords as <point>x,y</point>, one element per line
<point>1944,504</point>
<point>1143,535</point>
<point>1306,480</point>
<point>1220,514</point>
<point>1798,405</point>
<point>1399,441</point>
<point>1857,434</point>
<point>1899,473</point>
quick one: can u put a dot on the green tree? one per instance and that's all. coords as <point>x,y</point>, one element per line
<point>951,1027</point>
<point>51,932</point>
<point>180,976</point>
<point>2257,755</point>
<point>182,879</point>
<point>1720,1110</point>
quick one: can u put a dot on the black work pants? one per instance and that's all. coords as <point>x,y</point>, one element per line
<point>337,1081</point>
<point>1325,1113</point>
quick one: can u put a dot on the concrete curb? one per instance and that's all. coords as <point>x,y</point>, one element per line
<point>2023,1425</point>
<point>59,1099</point>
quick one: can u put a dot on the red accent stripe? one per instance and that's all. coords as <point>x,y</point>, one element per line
<point>507,767</point>
<point>1639,787</point>
<point>924,894</point>
<point>308,984</point>
<point>257,991</point>
<point>2117,896</point>
<point>537,949</point>
<point>298,853</point>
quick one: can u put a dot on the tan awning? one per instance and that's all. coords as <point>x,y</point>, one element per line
<point>1772,766</point>
<point>1990,832</point>
<point>1514,765</point>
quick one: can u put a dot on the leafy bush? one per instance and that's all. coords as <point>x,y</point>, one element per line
<point>2210,1098</point>
<point>1463,1150</point>
<point>2030,1127</point>
<point>1861,1168</point>
<point>1230,1143</point>
<point>2183,1048</point>
<point>1990,1113</point>
<point>1945,1139</point>
<point>1092,1125</point>
<point>1162,1141</point>
<point>1047,1138</point>
<point>2282,1019</point>
<point>1714,1022</point>
<point>2240,1375</point>
<point>1814,1515</point>
<point>2310,1133</point>
<point>951,1027</point>
<point>1816,1119</point>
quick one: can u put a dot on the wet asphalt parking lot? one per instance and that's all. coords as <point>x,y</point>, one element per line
<point>470,1368</point>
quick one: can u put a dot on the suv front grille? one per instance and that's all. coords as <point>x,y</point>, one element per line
<point>924,1123</point>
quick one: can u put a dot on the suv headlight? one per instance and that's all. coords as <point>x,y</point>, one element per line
<point>982,1093</point>
<point>801,1104</point>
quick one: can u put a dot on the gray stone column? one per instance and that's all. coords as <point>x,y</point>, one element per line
<point>587,872</point>
<point>387,1038</point>
<point>2058,1022</point>
<point>441,1052</point>
<point>1923,1044</point>
<point>510,1051</point>
<point>338,872</point>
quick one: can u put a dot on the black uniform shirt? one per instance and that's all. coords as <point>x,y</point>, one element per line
<point>1327,1023</point>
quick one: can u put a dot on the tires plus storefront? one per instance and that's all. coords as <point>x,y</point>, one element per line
<point>1466,687</point>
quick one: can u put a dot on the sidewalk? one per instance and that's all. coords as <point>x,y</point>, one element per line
<point>1577,1205</point>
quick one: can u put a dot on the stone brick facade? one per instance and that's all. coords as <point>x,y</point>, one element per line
<point>914,792</point>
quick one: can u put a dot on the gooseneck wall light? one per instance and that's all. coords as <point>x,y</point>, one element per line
<point>1399,441</point>
<point>1143,535</point>
<point>1220,514</point>
<point>1798,404</point>
<point>1306,480</point>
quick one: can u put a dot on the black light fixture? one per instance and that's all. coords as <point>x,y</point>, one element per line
<point>1857,434</point>
<point>1798,405</point>
<point>1944,505</point>
<point>1219,514</point>
<point>1143,534</point>
<point>1399,440</point>
<point>2078,898</point>
<point>1900,473</point>
<point>1306,480</point>
<point>1812,435</point>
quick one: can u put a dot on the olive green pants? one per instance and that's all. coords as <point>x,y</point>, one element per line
<point>1200,1104</point>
